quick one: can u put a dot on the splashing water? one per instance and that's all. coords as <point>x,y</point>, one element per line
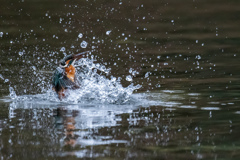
<point>95,87</point>
<point>84,44</point>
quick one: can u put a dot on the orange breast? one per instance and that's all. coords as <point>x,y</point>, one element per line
<point>70,71</point>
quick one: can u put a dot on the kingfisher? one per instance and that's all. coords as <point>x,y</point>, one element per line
<point>64,77</point>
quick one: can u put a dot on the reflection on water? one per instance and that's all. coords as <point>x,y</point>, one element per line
<point>163,124</point>
<point>81,124</point>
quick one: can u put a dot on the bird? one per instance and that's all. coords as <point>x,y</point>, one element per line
<point>64,77</point>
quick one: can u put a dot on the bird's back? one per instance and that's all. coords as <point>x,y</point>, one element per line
<point>60,81</point>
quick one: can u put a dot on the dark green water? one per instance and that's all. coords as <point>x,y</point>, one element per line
<point>187,56</point>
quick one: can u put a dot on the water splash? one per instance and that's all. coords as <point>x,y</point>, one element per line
<point>12,93</point>
<point>84,44</point>
<point>96,87</point>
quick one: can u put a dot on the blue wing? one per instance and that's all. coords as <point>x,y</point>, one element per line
<point>61,81</point>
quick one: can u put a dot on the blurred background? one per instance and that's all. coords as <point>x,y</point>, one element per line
<point>183,52</point>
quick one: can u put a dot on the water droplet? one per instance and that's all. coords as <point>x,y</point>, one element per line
<point>129,78</point>
<point>134,73</point>
<point>80,35</point>
<point>196,41</point>
<point>84,44</point>
<point>1,34</point>
<point>147,74</point>
<point>34,68</point>
<point>12,93</point>
<point>108,32</point>
<point>60,20</point>
<point>165,64</point>
<point>63,49</point>
<point>198,57</point>
<point>130,70</point>
<point>20,53</point>
<point>1,77</point>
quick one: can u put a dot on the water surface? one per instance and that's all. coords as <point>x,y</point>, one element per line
<point>184,55</point>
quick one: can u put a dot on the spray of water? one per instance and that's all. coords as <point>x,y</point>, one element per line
<point>95,87</point>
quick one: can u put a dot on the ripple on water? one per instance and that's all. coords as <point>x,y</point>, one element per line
<point>187,106</point>
<point>210,108</point>
<point>237,112</point>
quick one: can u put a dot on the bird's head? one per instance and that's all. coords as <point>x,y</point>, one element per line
<point>71,59</point>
